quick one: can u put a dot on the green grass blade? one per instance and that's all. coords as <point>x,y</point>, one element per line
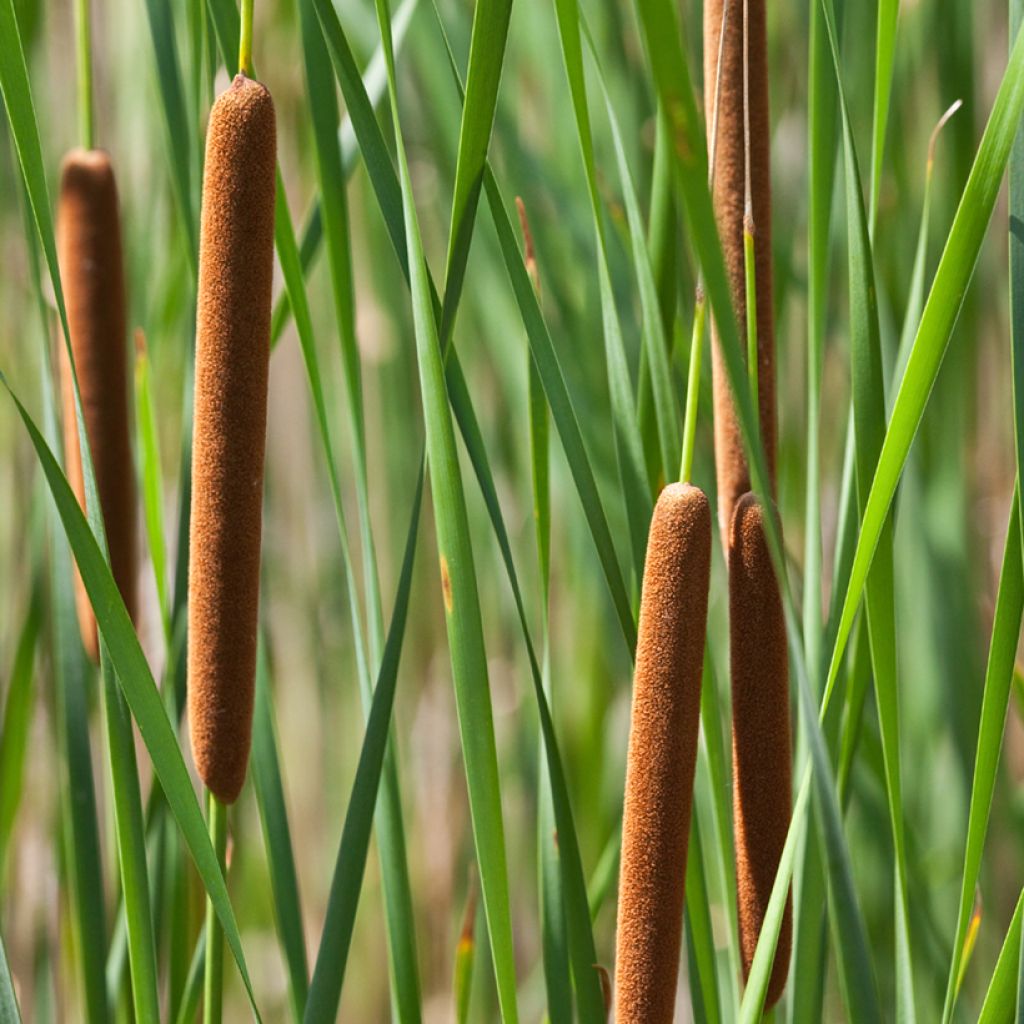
<point>998,677</point>
<point>628,443</point>
<point>809,934</point>
<point>374,85</point>
<point>1016,245</point>
<point>459,590</point>
<point>16,721</point>
<point>869,430</point>
<point>885,58</point>
<point>385,184</point>
<point>9,1012</point>
<point>193,992</point>
<point>563,414</point>
<point>329,971</point>
<point>654,338</point>
<point>131,844</point>
<point>700,940</point>
<point>554,933</point>
<point>486,58</point>
<point>1001,999</point>
<point>180,139</point>
<point>137,685</point>
<point>266,776</point>
<point>944,301</point>
<point>152,486</point>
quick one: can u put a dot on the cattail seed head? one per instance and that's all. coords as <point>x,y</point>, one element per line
<point>92,277</point>
<point>662,756</point>
<point>229,436</point>
<point>762,801</point>
<point>728,190</point>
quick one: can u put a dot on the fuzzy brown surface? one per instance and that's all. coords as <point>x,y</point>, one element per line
<point>728,192</point>
<point>761,757</point>
<point>236,252</point>
<point>662,755</point>
<point>92,276</point>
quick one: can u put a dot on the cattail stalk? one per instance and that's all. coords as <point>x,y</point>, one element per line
<point>92,276</point>
<point>761,733</point>
<point>741,189</point>
<point>229,432</point>
<point>662,756</point>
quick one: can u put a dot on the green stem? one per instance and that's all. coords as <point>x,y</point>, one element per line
<point>751,302</point>
<point>245,42</point>
<point>213,981</point>
<point>83,49</point>
<point>693,385</point>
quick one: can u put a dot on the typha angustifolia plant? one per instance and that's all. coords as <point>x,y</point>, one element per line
<point>737,114</point>
<point>236,255</point>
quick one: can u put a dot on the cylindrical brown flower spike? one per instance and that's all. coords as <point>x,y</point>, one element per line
<point>229,437</point>
<point>92,276</point>
<point>728,189</point>
<point>762,800</point>
<point>662,756</point>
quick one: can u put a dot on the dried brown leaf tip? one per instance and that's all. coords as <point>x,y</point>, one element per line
<point>92,276</point>
<point>761,746</point>
<point>232,355</point>
<point>662,756</point>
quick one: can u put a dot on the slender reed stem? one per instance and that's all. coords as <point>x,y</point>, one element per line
<point>245,42</point>
<point>700,306</point>
<point>213,981</point>
<point>750,270</point>
<point>693,384</point>
<point>83,50</point>
<point>749,265</point>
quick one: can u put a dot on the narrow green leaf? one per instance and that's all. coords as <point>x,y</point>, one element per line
<point>137,684</point>
<point>9,1012</point>
<point>1001,999</point>
<point>628,444</point>
<point>486,58</point>
<point>266,775</point>
<point>180,143</point>
<point>869,430</point>
<point>16,720</point>
<point>998,676</point>
<point>385,184</point>
<point>332,956</point>
<point>152,481</point>
<point>459,590</point>
<point>655,342</point>
<point>885,59</point>
<point>944,301</point>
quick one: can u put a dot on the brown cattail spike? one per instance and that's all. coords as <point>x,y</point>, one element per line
<point>92,276</point>
<point>662,755</point>
<point>761,733</point>
<point>232,354</point>
<point>728,189</point>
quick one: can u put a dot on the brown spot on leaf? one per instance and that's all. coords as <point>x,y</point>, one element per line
<point>446,585</point>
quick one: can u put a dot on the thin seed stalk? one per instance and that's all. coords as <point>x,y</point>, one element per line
<point>83,52</point>
<point>693,385</point>
<point>213,975</point>
<point>750,278</point>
